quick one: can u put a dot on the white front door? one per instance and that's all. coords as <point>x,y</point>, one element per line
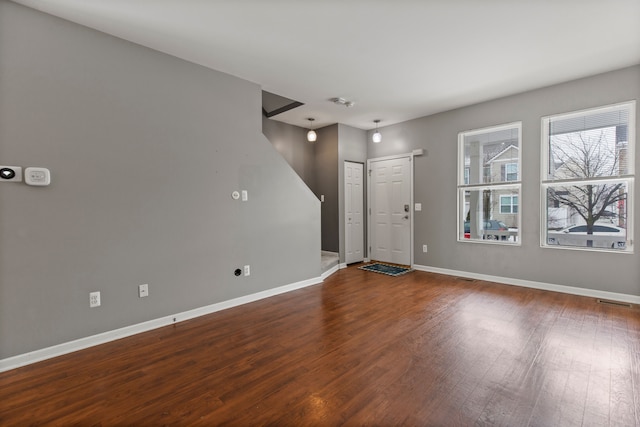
<point>390,215</point>
<point>353,209</point>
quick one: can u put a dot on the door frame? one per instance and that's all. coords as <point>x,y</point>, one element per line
<point>411,204</point>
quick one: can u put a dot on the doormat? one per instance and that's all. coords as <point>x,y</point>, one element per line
<point>390,270</point>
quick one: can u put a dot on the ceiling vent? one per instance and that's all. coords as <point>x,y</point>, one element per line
<point>342,101</point>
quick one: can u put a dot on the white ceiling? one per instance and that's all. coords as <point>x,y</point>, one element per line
<point>396,60</point>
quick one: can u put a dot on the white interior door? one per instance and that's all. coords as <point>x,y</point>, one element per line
<point>353,208</point>
<point>390,204</point>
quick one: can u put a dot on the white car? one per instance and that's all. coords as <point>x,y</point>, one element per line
<point>604,236</point>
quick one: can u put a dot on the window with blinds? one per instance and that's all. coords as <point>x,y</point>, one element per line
<point>588,177</point>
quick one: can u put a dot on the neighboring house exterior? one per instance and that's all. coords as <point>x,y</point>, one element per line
<point>503,167</point>
<point>500,165</point>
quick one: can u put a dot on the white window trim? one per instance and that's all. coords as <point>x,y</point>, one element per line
<point>461,186</point>
<point>546,182</point>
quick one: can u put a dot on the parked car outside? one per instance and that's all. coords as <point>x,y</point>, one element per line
<point>604,236</point>
<point>489,226</point>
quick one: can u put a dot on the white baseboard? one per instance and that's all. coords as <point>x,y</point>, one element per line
<point>632,299</point>
<point>82,343</point>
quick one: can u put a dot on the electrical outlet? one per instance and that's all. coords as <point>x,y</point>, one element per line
<point>424,248</point>
<point>247,270</point>
<point>143,290</point>
<point>94,299</point>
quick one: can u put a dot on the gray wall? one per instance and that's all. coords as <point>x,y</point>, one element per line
<point>352,147</point>
<point>145,150</point>
<point>291,142</point>
<point>326,183</point>
<point>435,187</point>
<point>321,166</point>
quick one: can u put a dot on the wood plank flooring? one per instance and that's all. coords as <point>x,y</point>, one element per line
<point>361,349</point>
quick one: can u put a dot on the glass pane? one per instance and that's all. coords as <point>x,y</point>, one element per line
<point>511,171</point>
<point>591,215</point>
<point>590,145</point>
<point>487,154</point>
<point>489,215</point>
<point>509,204</point>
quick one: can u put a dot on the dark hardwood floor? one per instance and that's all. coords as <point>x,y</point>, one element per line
<point>361,349</point>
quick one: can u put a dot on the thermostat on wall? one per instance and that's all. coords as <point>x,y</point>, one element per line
<point>10,174</point>
<point>37,176</point>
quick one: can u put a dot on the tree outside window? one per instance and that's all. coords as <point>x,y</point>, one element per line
<point>588,177</point>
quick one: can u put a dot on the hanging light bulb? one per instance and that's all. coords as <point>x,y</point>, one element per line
<point>311,135</point>
<point>377,136</point>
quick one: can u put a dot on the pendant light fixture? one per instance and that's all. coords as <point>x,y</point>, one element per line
<point>377,136</point>
<point>311,135</point>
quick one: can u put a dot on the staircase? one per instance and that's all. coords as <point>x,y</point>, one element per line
<point>329,260</point>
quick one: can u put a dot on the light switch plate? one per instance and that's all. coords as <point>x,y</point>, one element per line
<point>143,290</point>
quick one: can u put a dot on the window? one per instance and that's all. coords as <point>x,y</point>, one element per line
<point>587,179</point>
<point>509,204</point>
<point>486,174</point>
<point>511,172</point>
<point>489,184</point>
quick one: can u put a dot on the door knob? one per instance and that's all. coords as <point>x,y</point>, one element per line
<point>406,217</point>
